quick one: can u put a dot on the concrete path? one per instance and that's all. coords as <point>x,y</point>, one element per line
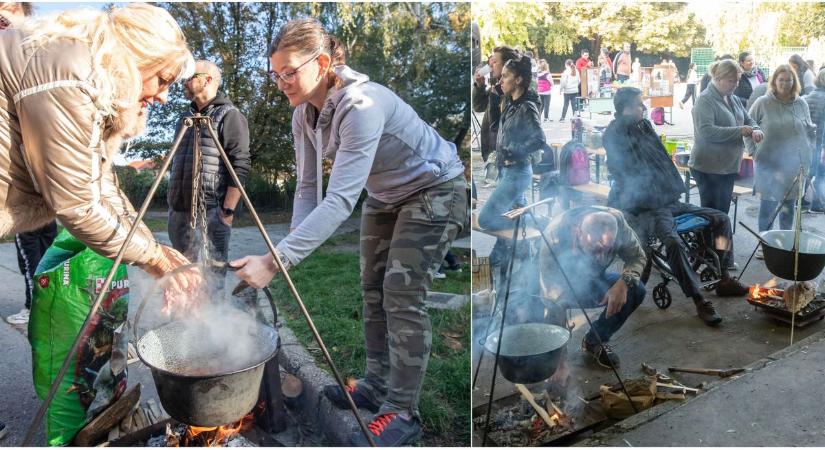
<point>777,404</point>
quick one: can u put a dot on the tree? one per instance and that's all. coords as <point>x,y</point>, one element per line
<point>420,51</point>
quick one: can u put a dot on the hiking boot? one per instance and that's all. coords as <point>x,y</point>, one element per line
<point>20,318</point>
<point>388,430</point>
<point>706,312</point>
<point>3,430</point>
<point>356,391</point>
<point>603,354</point>
<point>731,287</point>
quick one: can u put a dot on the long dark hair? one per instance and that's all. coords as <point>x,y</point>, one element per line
<point>521,67</point>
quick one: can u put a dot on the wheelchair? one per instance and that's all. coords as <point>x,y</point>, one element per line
<point>694,232</point>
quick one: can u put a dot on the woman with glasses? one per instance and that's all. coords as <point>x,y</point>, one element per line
<point>417,204</point>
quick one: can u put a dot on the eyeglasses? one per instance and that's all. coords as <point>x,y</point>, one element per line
<point>197,74</point>
<point>289,77</point>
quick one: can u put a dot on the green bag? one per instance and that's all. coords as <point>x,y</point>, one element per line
<point>68,280</point>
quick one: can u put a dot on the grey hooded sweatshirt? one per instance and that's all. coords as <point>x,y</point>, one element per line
<point>375,140</point>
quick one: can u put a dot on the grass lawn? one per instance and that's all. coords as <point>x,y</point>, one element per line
<point>329,284</point>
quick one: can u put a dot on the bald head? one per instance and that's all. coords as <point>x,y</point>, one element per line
<point>204,84</point>
<point>598,232</point>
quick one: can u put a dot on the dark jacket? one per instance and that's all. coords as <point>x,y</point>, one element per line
<point>233,132</point>
<point>488,101</point>
<point>744,89</point>
<point>644,175</point>
<point>519,130</point>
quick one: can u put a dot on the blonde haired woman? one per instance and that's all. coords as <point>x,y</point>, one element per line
<point>73,86</point>
<point>786,149</point>
<point>417,204</point>
<point>720,122</point>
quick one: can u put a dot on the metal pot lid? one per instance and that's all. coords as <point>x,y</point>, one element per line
<point>809,243</point>
<point>528,339</point>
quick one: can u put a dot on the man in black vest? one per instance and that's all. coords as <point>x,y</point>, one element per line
<point>217,192</point>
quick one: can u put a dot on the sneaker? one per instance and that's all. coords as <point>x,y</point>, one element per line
<point>389,430</point>
<point>733,267</point>
<point>731,287</point>
<point>3,430</point>
<point>439,275</point>
<point>706,312</point>
<point>681,105</point>
<point>561,120</point>
<point>603,354</point>
<point>759,253</point>
<point>356,391</point>
<point>20,318</point>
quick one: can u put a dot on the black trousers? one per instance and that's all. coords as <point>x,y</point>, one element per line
<point>660,223</point>
<point>569,99</point>
<point>545,104</point>
<point>31,246</point>
<point>715,191</point>
<point>690,93</point>
<point>189,243</point>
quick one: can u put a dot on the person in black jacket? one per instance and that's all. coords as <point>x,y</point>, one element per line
<point>703,84</point>
<point>752,77</point>
<point>219,194</point>
<point>519,136</point>
<point>487,99</point>
<point>647,188</point>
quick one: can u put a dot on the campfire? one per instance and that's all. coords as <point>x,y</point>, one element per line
<point>182,435</point>
<point>782,301</point>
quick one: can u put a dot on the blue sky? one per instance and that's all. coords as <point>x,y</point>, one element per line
<point>53,7</point>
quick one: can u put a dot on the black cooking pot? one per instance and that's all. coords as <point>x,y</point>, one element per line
<point>193,383</point>
<point>777,246</point>
<point>530,352</point>
<point>202,379</point>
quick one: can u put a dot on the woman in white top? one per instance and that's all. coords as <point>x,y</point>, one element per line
<point>569,86</point>
<point>690,92</point>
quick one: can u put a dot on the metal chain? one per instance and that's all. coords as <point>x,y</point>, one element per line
<point>198,219</point>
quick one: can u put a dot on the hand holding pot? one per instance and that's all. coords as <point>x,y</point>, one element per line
<point>177,294</point>
<point>256,271</point>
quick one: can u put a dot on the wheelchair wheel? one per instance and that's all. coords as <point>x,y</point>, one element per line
<point>661,296</point>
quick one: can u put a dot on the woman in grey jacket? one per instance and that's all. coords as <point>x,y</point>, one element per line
<point>786,149</point>
<point>719,123</point>
<point>417,204</point>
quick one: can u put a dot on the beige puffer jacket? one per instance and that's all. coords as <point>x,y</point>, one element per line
<point>54,160</point>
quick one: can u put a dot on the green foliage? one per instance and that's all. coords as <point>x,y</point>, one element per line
<point>336,308</point>
<point>136,186</point>
<point>557,27</point>
<point>419,50</point>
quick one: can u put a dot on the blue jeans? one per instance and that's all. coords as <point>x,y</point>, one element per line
<point>591,294</point>
<point>766,209</point>
<point>509,193</point>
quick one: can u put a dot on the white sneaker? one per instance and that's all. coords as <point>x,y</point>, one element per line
<point>20,318</point>
<point>759,254</point>
<point>439,275</point>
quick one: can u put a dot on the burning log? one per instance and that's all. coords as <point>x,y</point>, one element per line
<point>541,412</point>
<point>799,295</point>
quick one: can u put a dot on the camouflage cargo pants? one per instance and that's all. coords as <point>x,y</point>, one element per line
<point>402,245</point>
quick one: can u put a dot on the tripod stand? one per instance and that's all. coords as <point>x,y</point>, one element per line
<point>198,122</point>
<point>518,215</point>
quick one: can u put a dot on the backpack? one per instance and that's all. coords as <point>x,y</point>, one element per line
<point>574,164</point>
<point>657,115</point>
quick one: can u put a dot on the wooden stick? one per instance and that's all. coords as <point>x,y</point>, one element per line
<point>673,386</point>
<point>555,408</point>
<point>541,412</point>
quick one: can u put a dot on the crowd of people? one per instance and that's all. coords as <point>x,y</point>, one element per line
<point>737,110</point>
<point>92,75</point>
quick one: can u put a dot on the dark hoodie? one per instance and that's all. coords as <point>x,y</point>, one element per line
<point>644,174</point>
<point>519,130</point>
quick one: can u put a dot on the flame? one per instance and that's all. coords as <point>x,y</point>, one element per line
<point>556,418</point>
<point>757,292</point>
<point>215,436</point>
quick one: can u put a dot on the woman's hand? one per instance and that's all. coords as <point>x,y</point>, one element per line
<point>180,292</point>
<point>757,136</point>
<point>746,131</point>
<point>257,271</point>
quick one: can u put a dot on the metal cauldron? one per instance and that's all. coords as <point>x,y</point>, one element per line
<point>777,246</point>
<point>530,352</point>
<point>197,384</point>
